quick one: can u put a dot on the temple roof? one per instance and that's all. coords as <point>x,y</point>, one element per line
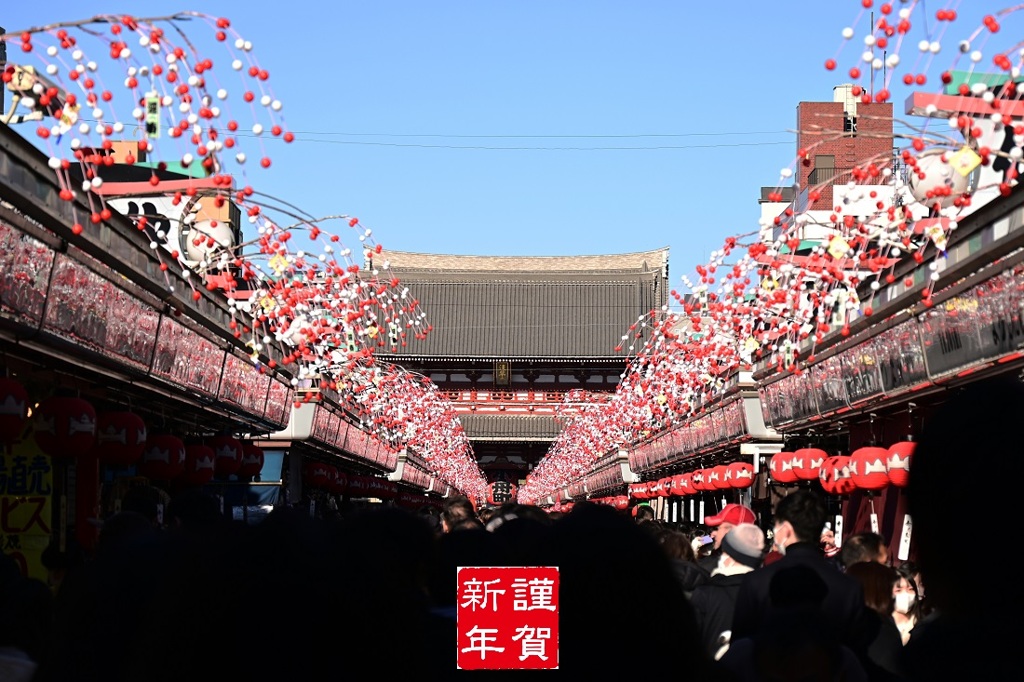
<point>403,261</point>
<point>506,307</point>
<point>508,427</point>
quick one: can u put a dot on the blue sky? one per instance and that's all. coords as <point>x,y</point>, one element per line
<point>534,127</point>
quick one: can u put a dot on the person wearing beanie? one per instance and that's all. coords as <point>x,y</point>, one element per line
<point>720,524</point>
<point>742,550</point>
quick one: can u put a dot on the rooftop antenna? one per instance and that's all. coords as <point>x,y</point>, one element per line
<point>872,61</point>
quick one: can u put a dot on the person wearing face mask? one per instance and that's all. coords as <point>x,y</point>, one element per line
<point>798,520</point>
<point>713,602</point>
<point>907,607</point>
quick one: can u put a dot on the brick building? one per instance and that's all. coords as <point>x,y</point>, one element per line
<point>839,136</point>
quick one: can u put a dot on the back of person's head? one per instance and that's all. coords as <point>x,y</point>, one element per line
<point>805,511</point>
<point>124,531</point>
<point>981,420</point>
<point>457,509</point>
<point>795,641</point>
<point>643,512</point>
<point>453,550</point>
<point>866,546</point>
<point>744,544</point>
<point>676,545</point>
<point>25,612</point>
<point>877,580</point>
<point>612,575</point>
<point>145,500</point>
<point>194,510</point>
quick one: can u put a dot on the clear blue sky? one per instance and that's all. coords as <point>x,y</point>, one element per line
<point>533,127</point>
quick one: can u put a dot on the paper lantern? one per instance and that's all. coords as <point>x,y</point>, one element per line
<point>897,465</point>
<point>677,485</point>
<point>807,463</point>
<point>339,483</point>
<point>716,477</point>
<point>664,487</point>
<point>357,486</point>
<point>120,438</point>
<point>868,469</point>
<point>64,426</point>
<point>705,484</point>
<point>667,484</point>
<point>13,410</point>
<point>228,454</point>
<point>741,475</point>
<point>252,461</point>
<point>620,502</point>
<point>199,465</point>
<point>844,479</point>
<point>163,458</point>
<point>318,474</point>
<point>697,480</point>
<point>781,467</point>
<point>386,490</point>
<point>684,486</point>
<point>828,476</point>
<point>407,500</point>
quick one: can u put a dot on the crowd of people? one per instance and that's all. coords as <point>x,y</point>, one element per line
<point>372,590</point>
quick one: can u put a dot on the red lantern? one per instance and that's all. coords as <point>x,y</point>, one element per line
<point>714,478</point>
<point>868,469</point>
<point>668,486</point>
<point>340,483</point>
<point>13,410</point>
<point>898,464</point>
<point>407,500</point>
<point>685,484</point>
<point>620,502</point>
<point>318,474</point>
<point>835,476</point>
<point>163,458</point>
<point>252,461</point>
<point>228,454</point>
<point>701,480</point>
<point>661,488</point>
<point>120,438</point>
<point>199,465</point>
<point>740,475</point>
<point>387,490</point>
<point>357,486</point>
<point>64,426</point>
<point>828,476</point>
<point>807,463</point>
<point>781,467</point>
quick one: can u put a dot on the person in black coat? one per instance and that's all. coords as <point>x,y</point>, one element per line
<point>714,602</point>
<point>799,518</point>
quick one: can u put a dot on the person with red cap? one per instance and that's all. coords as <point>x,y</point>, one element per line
<point>721,523</point>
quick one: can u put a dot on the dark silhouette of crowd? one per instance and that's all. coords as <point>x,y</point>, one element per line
<point>371,591</point>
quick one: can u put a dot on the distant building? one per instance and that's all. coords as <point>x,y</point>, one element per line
<point>834,138</point>
<point>512,336</point>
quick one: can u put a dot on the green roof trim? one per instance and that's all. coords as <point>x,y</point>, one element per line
<point>805,245</point>
<point>193,170</point>
<point>969,78</point>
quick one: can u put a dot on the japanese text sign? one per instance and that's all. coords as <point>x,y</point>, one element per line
<point>508,618</point>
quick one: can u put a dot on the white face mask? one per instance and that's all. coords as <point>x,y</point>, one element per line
<point>779,543</point>
<point>904,601</point>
